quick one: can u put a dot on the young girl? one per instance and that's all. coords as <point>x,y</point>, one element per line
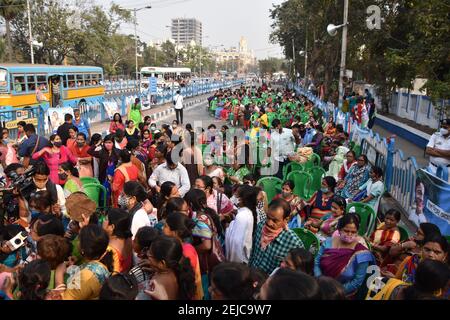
<point>386,235</point>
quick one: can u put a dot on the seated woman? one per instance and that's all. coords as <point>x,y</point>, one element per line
<point>430,283</point>
<point>320,204</point>
<point>329,226</point>
<point>398,252</point>
<point>237,172</point>
<point>69,174</point>
<point>343,258</point>
<point>374,188</point>
<point>330,128</point>
<point>287,193</point>
<point>386,235</point>
<point>434,248</point>
<point>356,177</point>
<point>298,259</point>
<point>349,161</point>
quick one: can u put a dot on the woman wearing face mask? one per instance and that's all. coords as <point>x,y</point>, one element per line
<point>409,247</point>
<point>108,157</point>
<point>343,258</point>
<point>8,152</point>
<point>132,200</point>
<point>70,175</point>
<point>176,128</point>
<point>54,156</point>
<point>80,150</point>
<point>287,193</point>
<point>213,170</point>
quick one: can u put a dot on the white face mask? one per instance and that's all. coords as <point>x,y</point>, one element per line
<point>443,131</point>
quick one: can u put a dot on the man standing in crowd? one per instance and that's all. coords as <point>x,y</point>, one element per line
<point>63,130</point>
<point>82,124</point>
<point>438,148</point>
<point>170,171</point>
<point>33,144</point>
<point>283,144</point>
<point>178,102</point>
<point>55,93</point>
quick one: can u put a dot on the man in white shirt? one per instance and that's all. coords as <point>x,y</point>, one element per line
<point>170,171</point>
<point>438,148</point>
<point>283,143</point>
<point>178,102</point>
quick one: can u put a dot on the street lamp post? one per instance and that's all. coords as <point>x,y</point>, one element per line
<point>293,58</point>
<point>29,31</point>
<point>135,10</point>
<point>332,30</point>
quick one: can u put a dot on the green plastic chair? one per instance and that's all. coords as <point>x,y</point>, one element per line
<point>87,180</point>
<point>270,117</point>
<point>313,161</point>
<point>367,217</point>
<point>357,150</point>
<point>309,239</point>
<point>291,166</point>
<point>404,234</point>
<point>302,181</point>
<point>271,185</point>
<point>317,174</point>
<point>93,191</point>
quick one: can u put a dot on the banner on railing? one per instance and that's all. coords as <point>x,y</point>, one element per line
<point>56,116</point>
<point>436,202</point>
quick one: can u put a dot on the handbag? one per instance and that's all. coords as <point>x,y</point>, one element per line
<point>216,255</point>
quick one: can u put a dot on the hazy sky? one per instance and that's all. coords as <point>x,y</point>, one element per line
<point>224,21</point>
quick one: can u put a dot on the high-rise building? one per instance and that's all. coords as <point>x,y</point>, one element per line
<point>185,30</point>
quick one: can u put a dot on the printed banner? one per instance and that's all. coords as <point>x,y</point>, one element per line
<point>56,117</point>
<point>436,200</point>
<point>111,107</point>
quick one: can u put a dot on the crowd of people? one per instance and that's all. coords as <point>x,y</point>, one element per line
<point>173,212</point>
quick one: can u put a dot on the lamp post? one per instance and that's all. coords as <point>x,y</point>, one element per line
<point>332,30</point>
<point>29,31</point>
<point>135,10</point>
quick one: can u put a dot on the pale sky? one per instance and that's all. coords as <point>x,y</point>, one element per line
<point>224,21</point>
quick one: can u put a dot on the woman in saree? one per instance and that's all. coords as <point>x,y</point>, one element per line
<point>434,248</point>
<point>356,177</point>
<point>343,258</point>
<point>135,113</point>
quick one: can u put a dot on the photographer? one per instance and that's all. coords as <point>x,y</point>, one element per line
<point>9,202</point>
<point>40,182</point>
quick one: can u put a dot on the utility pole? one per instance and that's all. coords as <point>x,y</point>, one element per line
<point>136,42</point>
<point>29,31</point>
<point>343,55</point>
<point>293,58</point>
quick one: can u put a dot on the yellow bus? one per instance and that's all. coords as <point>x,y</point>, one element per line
<point>29,85</point>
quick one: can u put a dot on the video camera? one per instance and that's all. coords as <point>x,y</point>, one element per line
<point>21,182</point>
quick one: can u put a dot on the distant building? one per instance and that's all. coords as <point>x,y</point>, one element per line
<point>239,59</point>
<point>185,30</point>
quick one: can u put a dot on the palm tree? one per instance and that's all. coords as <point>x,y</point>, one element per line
<point>9,9</point>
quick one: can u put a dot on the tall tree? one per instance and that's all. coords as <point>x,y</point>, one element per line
<point>9,9</point>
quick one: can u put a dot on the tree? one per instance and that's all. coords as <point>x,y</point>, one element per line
<point>170,53</point>
<point>9,9</point>
<point>50,27</point>
<point>272,65</point>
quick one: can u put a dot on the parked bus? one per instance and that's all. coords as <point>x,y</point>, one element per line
<point>165,76</point>
<point>28,85</point>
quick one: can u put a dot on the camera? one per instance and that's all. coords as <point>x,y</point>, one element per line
<point>21,182</point>
<point>18,241</point>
